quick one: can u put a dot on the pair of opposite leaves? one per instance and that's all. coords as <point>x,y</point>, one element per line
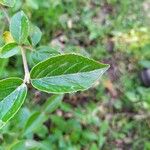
<point>59,74</point>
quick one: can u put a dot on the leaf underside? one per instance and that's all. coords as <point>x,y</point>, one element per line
<point>9,50</point>
<point>42,53</point>
<point>19,27</point>
<point>12,95</point>
<point>66,73</point>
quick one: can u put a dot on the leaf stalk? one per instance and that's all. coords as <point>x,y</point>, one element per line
<point>25,64</point>
<point>5,13</point>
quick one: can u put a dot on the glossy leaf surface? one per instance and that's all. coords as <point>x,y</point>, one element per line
<point>12,95</point>
<point>19,27</point>
<point>66,73</point>
<point>9,50</point>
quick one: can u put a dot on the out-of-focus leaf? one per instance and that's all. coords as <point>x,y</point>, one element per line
<point>8,37</point>
<point>52,103</point>
<point>34,122</point>
<point>132,96</point>
<point>21,117</point>
<point>3,63</point>
<point>94,147</point>
<point>28,145</point>
<point>42,53</point>
<point>90,136</point>
<point>35,34</point>
<point>104,127</point>
<point>33,4</point>
<point>145,63</point>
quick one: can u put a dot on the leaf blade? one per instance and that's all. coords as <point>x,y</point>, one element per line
<point>42,53</point>
<point>35,35</point>
<point>52,103</point>
<point>34,122</point>
<point>19,27</point>
<point>66,73</point>
<point>9,50</point>
<point>12,95</point>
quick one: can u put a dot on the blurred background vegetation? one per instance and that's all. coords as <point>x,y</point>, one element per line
<point>115,113</point>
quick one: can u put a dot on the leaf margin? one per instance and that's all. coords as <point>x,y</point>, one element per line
<point>90,59</point>
<point>26,90</point>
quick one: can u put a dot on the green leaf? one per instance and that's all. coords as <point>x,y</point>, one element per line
<point>34,122</point>
<point>42,53</point>
<point>9,50</point>
<point>104,127</point>
<point>34,4</point>
<point>145,63</point>
<point>66,73</point>
<point>9,3</point>
<point>28,145</point>
<point>21,117</point>
<point>19,27</point>
<point>35,35</point>
<point>52,103</point>
<point>3,64</point>
<point>12,95</point>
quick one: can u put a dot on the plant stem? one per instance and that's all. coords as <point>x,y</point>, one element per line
<point>5,13</point>
<point>29,47</point>
<point>25,64</point>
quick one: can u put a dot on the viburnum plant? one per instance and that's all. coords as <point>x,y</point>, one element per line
<point>62,73</point>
